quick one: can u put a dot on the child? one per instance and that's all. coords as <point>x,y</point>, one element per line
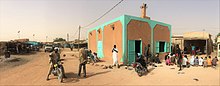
<point>209,61</point>
<point>196,61</point>
<point>168,61</point>
<point>205,64</point>
<point>200,61</point>
<point>184,61</point>
<point>192,60</point>
<point>214,61</point>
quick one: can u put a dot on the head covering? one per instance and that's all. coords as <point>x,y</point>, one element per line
<point>139,55</point>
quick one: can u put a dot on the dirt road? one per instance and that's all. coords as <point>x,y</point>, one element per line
<point>35,71</point>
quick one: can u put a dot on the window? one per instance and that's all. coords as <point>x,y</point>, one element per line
<point>162,46</point>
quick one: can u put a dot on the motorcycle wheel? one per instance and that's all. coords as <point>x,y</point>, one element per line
<point>139,74</point>
<point>60,74</point>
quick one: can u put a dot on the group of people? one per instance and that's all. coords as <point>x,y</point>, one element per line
<point>206,62</point>
<point>183,61</point>
<point>85,56</point>
<point>93,57</point>
<point>170,59</point>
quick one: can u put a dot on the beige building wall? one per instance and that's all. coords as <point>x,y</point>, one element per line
<point>138,30</point>
<point>161,33</point>
<point>112,37</point>
<point>92,41</point>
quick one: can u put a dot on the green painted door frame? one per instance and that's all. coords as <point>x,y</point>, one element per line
<point>100,49</point>
<point>131,50</point>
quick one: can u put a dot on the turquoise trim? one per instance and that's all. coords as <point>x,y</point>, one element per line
<point>152,24</point>
<point>141,47</point>
<point>107,23</point>
<point>125,19</point>
<point>121,19</point>
<point>170,38</point>
<point>131,51</point>
<point>165,46</point>
<point>99,44</point>
<point>152,42</point>
<point>124,40</point>
<point>100,49</point>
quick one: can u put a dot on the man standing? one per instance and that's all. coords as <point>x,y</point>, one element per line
<point>115,56</point>
<point>83,60</point>
<point>179,57</point>
<point>147,52</point>
<point>193,50</point>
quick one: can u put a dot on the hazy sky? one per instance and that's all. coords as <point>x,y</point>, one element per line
<point>56,18</point>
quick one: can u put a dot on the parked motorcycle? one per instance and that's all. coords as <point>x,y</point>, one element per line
<point>57,71</point>
<point>139,69</point>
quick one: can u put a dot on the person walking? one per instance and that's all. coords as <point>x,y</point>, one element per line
<point>115,56</point>
<point>83,60</point>
<point>179,57</point>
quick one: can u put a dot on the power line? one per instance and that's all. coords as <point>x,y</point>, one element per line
<point>75,33</point>
<point>102,15</point>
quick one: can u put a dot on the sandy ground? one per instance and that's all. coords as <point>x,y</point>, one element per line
<point>34,72</point>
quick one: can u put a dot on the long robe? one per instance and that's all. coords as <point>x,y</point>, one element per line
<point>115,56</point>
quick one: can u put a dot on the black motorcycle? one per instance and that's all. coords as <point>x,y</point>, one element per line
<point>139,69</point>
<point>57,71</point>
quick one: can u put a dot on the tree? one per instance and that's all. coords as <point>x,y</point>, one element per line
<point>59,39</point>
<point>217,37</point>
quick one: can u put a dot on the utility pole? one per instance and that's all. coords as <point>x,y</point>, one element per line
<point>33,37</point>
<point>19,34</point>
<point>79,37</point>
<point>67,37</point>
<point>46,38</point>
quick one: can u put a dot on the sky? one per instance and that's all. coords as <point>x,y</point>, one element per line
<point>49,19</point>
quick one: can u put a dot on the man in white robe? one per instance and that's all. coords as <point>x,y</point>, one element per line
<point>115,56</point>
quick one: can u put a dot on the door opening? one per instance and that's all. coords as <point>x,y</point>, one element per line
<point>161,46</point>
<point>137,46</point>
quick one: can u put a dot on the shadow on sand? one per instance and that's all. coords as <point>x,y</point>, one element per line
<point>149,71</point>
<point>71,78</point>
<point>99,73</point>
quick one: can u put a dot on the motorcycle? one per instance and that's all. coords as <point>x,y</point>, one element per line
<point>139,69</point>
<point>57,71</point>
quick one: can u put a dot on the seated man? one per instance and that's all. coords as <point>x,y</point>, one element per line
<point>157,59</point>
<point>141,60</point>
<point>214,61</point>
<point>91,56</point>
<point>55,58</point>
<point>96,57</point>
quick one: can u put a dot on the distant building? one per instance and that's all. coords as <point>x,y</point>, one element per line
<point>2,47</point>
<point>218,47</point>
<point>201,40</point>
<point>21,40</point>
<point>131,35</point>
<point>178,39</point>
